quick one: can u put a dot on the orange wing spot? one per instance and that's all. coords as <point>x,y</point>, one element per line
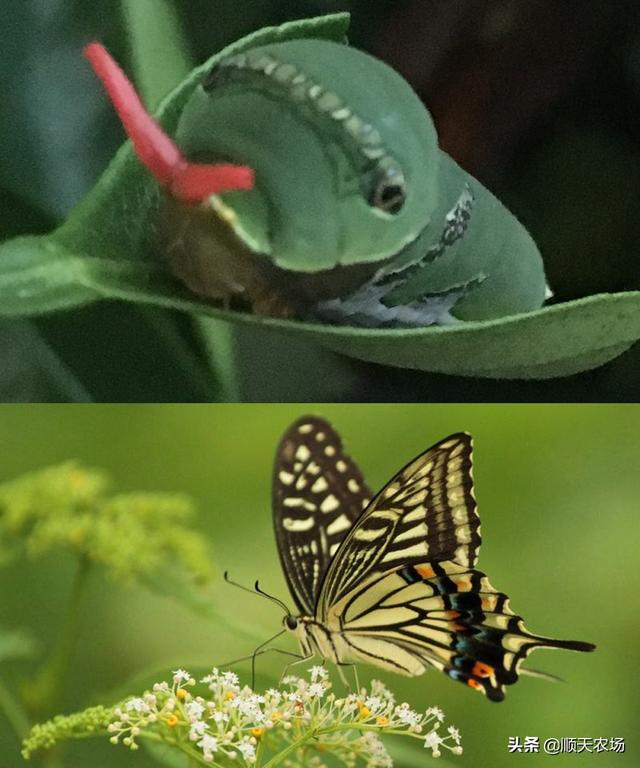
<point>458,627</point>
<point>452,614</point>
<point>464,585</point>
<point>488,603</point>
<point>474,684</point>
<point>426,571</point>
<point>482,670</point>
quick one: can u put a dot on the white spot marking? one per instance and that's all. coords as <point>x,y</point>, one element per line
<point>293,502</point>
<point>341,523</point>
<point>369,534</point>
<point>286,477</point>
<point>292,524</point>
<point>320,485</point>
<point>329,504</point>
<point>303,453</point>
<point>463,534</point>
<point>459,515</point>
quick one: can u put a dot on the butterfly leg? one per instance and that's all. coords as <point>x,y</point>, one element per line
<point>259,652</point>
<point>299,659</point>
<point>342,677</point>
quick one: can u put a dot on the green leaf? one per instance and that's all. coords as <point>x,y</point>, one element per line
<point>17,644</point>
<point>38,276</point>
<point>104,251</point>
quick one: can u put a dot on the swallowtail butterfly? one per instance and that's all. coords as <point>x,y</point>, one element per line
<point>390,579</point>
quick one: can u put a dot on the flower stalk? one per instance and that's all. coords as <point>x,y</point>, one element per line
<point>44,691</point>
<point>15,714</point>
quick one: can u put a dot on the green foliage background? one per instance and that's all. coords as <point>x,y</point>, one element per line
<point>557,488</point>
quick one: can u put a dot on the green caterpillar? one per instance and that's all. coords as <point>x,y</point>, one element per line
<point>353,214</point>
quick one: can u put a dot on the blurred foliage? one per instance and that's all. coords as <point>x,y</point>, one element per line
<point>131,534</point>
<point>538,99</point>
<point>557,488</point>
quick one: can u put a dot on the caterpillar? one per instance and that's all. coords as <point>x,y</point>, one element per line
<point>305,180</point>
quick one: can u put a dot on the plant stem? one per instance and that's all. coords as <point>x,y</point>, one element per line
<point>259,753</point>
<point>46,688</point>
<point>277,759</point>
<point>219,340</point>
<point>14,712</point>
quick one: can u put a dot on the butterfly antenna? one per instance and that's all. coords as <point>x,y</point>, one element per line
<point>242,658</point>
<point>235,584</point>
<point>271,597</point>
<point>257,589</point>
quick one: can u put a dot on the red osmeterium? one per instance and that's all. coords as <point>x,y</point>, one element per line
<point>191,183</point>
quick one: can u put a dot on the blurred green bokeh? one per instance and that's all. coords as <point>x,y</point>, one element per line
<point>558,492</point>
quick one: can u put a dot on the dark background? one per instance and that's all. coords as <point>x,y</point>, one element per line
<point>536,98</point>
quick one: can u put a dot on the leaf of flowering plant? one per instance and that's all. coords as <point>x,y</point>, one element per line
<point>143,537</point>
<point>16,644</point>
<point>102,252</point>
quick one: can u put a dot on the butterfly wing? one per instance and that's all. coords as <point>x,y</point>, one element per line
<point>444,615</point>
<point>318,493</point>
<point>403,590</point>
<point>427,512</point>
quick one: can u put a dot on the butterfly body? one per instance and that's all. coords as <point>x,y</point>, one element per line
<point>391,581</point>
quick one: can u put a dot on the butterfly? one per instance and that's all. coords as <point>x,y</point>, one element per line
<point>390,579</point>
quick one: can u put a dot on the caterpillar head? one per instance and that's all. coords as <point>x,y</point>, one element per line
<point>315,154</point>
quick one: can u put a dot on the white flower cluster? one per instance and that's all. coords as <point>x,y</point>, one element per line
<point>300,720</point>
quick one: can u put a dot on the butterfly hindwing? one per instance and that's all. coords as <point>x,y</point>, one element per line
<point>444,615</point>
<point>427,512</point>
<point>318,493</point>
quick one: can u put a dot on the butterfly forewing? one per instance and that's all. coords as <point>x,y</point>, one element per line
<point>318,493</point>
<point>427,512</point>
